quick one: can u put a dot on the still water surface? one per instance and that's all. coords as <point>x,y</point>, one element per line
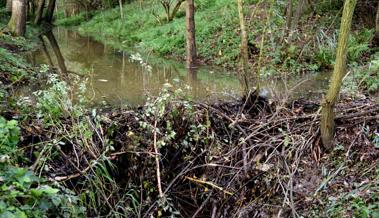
<point>118,79</point>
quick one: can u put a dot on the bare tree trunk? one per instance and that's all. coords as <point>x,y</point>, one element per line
<point>17,23</point>
<point>244,40</point>
<point>298,13</point>
<point>39,13</point>
<point>376,38</point>
<point>244,49</point>
<point>176,9</point>
<point>121,10</point>
<point>50,11</point>
<point>327,113</point>
<point>287,31</point>
<point>190,28</point>
<point>9,5</point>
<point>31,5</point>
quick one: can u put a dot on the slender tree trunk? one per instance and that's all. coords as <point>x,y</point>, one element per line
<point>39,13</point>
<point>9,5</point>
<point>190,28</point>
<point>50,11</point>
<point>17,23</point>
<point>298,13</point>
<point>32,7</point>
<point>175,10</point>
<point>287,32</point>
<point>244,40</point>
<point>376,38</point>
<point>327,113</point>
<point>121,10</point>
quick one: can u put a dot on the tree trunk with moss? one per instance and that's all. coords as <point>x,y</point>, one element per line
<point>190,29</point>
<point>327,114</point>
<point>50,11</point>
<point>39,13</point>
<point>244,39</point>
<point>17,23</point>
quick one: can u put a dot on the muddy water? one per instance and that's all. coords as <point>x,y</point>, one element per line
<point>116,77</point>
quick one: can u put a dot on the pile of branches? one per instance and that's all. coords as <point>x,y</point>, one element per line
<point>235,159</point>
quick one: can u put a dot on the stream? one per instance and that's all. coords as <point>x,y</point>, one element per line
<point>119,78</point>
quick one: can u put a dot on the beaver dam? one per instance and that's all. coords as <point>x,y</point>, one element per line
<point>245,158</point>
<point>183,153</point>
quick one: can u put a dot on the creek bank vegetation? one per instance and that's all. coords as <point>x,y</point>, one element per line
<point>62,156</point>
<point>246,158</point>
<point>292,40</point>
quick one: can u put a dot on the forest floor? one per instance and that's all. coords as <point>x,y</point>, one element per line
<point>247,158</point>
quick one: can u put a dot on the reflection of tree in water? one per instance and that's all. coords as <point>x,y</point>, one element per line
<point>45,51</point>
<point>57,51</point>
<point>76,45</point>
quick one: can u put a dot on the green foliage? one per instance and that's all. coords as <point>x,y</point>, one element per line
<point>9,136</point>
<point>369,77</point>
<point>326,48</point>
<point>75,19</point>
<point>359,44</point>
<point>353,203</point>
<point>56,101</point>
<point>24,195</point>
<point>53,102</point>
<point>324,6</point>
<point>12,66</point>
<point>216,22</point>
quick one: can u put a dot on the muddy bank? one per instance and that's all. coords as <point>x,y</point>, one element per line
<point>231,159</point>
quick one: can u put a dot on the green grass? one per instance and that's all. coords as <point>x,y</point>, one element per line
<point>73,20</point>
<point>216,22</point>
<point>217,32</point>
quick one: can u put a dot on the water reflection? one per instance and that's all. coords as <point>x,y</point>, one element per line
<point>116,78</point>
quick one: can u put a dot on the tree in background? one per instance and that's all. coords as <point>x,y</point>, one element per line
<point>39,12</point>
<point>17,23</point>
<point>376,38</point>
<point>190,29</point>
<point>167,5</point>
<point>50,11</point>
<point>327,114</point>
<point>9,5</point>
<point>288,28</point>
<point>244,38</point>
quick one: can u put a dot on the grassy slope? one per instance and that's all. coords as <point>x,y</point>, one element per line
<point>218,37</point>
<point>216,23</point>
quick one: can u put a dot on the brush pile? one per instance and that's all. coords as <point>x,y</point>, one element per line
<point>235,159</point>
